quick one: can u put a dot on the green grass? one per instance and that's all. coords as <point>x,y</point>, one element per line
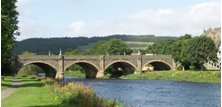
<point>74,74</point>
<point>36,93</point>
<point>190,76</point>
<point>32,93</point>
<point>6,82</point>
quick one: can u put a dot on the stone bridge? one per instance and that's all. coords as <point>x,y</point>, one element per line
<point>95,66</point>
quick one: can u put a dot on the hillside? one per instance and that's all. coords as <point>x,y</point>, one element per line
<point>43,45</point>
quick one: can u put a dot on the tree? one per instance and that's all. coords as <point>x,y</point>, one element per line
<point>201,50</point>
<point>110,47</point>
<point>72,52</point>
<point>180,50</point>
<point>161,47</point>
<point>9,29</point>
<point>117,47</point>
<point>28,53</point>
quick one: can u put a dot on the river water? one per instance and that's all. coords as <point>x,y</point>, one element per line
<point>156,93</point>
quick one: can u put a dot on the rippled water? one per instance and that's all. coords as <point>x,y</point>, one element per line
<point>153,93</point>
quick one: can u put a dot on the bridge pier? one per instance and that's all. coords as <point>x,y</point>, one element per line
<point>60,69</point>
<point>139,65</point>
<point>100,74</point>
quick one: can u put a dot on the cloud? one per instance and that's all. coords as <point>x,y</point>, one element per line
<point>156,21</point>
<point>77,26</point>
<point>23,2</point>
<point>163,21</point>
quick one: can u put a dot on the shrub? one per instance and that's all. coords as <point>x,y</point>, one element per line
<point>78,95</point>
<point>192,67</point>
<point>180,67</point>
<point>29,70</point>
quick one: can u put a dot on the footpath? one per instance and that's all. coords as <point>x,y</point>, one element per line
<point>7,92</point>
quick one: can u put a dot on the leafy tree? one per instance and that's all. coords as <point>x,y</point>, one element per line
<point>117,47</point>
<point>201,50</point>
<point>9,29</point>
<point>111,47</point>
<point>161,47</point>
<point>180,50</point>
<point>100,48</point>
<point>72,52</point>
<point>28,53</point>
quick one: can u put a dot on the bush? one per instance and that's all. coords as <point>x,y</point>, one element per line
<point>180,67</point>
<point>78,95</point>
<point>29,70</point>
<point>192,67</point>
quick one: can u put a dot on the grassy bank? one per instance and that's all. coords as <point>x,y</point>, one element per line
<point>36,93</point>
<point>74,74</point>
<point>6,82</point>
<point>190,76</point>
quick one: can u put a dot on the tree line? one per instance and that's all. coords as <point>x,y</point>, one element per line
<point>42,46</point>
<point>190,52</point>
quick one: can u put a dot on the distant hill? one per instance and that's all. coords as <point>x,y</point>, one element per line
<point>41,46</point>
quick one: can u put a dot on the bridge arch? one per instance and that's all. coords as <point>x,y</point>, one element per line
<point>124,61</point>
<point>159,65</point>
<point>120,67</point>
<point>49,69</point>
<point>90,68</point>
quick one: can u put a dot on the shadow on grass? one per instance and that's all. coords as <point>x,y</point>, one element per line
<point>31,85</point>
<point>47,106</point>
<point>6,85</point>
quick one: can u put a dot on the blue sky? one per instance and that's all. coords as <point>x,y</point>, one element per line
<point>73,18</point>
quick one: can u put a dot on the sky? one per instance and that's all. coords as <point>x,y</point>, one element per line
<point>88,18</point>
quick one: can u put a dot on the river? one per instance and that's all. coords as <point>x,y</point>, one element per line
<point>156,93</point>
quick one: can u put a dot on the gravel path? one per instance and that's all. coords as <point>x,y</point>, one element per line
<point>7,92</point>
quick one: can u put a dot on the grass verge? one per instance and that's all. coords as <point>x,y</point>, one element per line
<point>74,74</point>
<point>36,93</point>
<point>190,76</point>
<point>6,82</point>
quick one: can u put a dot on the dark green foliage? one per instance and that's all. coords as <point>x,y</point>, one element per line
<point>192,53</point>
<point>28,53</point>
<point>161,47</point>
<point>191,67</point>
<point>201,50</point>
<point>29,70</point>
<point>73,52</point>
<point>111,47</point>
<point>180,67</point>
<point>8,31</point>
<point>42,46</point>
<point>75,67</point>
<point>180,50</point>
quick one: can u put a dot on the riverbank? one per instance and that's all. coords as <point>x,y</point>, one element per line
<point>36,93</point>
<point>189,76</point>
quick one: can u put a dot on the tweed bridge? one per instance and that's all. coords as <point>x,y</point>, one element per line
<point>95,65</point>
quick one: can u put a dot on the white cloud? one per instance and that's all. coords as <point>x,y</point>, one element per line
<point>167,21</point>
<point>23,2</point>
<point>77,26</point>
<point>159,22</point>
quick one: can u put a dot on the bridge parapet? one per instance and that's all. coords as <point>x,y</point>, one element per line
<point>34,57</point>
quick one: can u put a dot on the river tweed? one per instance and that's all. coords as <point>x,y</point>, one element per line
<point>156,93</point>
